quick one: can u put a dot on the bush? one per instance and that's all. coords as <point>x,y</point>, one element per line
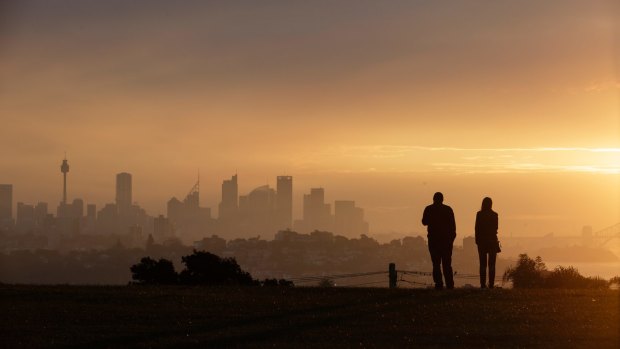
<point>204,268</point>
<point>326,282</point>
<point>564,278</point>
<point>527,274</point>
<point>150,271</point>
<point>530,273</point>
<point>276,282</point>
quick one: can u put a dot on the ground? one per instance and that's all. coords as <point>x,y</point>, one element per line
<point>164,317</point>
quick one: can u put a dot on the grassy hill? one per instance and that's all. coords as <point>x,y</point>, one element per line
<point>161,317</point>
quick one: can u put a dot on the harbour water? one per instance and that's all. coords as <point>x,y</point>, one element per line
<point>603,270</point>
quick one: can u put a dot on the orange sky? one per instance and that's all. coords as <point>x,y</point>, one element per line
<point>382,103</point>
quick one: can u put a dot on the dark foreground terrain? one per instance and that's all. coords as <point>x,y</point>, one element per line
<point>164,317</point>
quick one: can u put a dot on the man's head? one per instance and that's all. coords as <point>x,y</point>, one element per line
<point>438,198</point>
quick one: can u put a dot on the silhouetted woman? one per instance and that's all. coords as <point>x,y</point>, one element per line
<point>486,239</point>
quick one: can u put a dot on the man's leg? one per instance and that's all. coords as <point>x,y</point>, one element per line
<point>446,261</point>
<point>436,259</point>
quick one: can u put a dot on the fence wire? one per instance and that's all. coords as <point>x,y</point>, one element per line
<point>425,275</point>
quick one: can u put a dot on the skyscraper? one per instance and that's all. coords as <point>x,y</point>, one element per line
<point>25,221</point>
<point>123,193</point>
<point>284,202</point>
<point>6,205</point>
<point>349,219</point>
<point>316,213</point>
<point>229,205</point>
<point>189,220</point>
<point>260,210</point>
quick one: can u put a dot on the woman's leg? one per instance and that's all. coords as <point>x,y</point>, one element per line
<point>492,258</point>
<point>482,257</point>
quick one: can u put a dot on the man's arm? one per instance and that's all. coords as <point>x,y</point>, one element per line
<point>452,224</point>
<point>425,216</point>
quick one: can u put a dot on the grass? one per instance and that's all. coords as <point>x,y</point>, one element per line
<point>163,317</point>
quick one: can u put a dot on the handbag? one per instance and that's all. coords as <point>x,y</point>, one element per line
<point>497,246</point>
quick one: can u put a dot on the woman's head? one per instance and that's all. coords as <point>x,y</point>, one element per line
<point>487,203</point>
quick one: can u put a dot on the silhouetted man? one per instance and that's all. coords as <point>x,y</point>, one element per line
<point>439,219</point>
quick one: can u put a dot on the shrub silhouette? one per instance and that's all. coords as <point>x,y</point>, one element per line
<point>528,273</point>
<point>204,268</point>
<point>532,273</point>
<point>201,268</point>
<point>270,282</point>
<point>563,277</point>
<point>276,282</point>
<point>285,283</point>
<point>150,271</point>
<point>326,282</point>
<point>614,283</point>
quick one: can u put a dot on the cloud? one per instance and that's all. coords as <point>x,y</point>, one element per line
<point>407,159</point>
<point>602,86</point>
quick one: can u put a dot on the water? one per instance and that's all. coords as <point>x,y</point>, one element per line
<point>603,270</point>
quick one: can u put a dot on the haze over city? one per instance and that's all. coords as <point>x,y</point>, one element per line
<point>381,104</point>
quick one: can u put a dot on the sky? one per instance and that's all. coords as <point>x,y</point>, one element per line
<point>383,103</point>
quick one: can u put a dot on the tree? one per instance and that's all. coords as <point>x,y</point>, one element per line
<point>204,268</point>
<point>150,271</point>
<point>326,282</point>
<point>528,273</point>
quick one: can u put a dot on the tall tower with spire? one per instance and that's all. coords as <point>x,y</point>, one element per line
<point>64,168</point>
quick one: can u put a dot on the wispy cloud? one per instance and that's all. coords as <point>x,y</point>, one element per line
<point>398,149</point>
<point>601,86</point>
<point>405,159</point>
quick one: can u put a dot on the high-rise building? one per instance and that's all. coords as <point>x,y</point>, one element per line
<point>69,216</point>
<point>90,220</point>
<point>107,219</point>
<point>229,205</point>
<point>26,220</point>
<point>284,202</point>
<point>40,213</point>
<point>123,193</point>
<point>91,211</point>
<point>6,205</point>
<point>258,210</point>
<point>190,221</point>
<point>162,228</point>
<point>77,208</point>
<point>316,213</point>
<point>348,219</point>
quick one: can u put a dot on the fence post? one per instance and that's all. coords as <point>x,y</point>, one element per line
<point>392,272</point>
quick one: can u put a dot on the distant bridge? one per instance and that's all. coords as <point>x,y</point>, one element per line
<point>605,235</point>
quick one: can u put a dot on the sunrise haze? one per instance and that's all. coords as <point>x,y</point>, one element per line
<point>383,103</point>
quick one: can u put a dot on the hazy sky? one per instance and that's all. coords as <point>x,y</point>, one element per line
<point>382,102</point>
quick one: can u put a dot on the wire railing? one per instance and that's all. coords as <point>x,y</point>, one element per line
<point>318,278</point>
<point>412,278</point>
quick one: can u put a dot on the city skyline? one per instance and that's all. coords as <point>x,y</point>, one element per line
<point>123,191</point>
<point>262,211</point>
